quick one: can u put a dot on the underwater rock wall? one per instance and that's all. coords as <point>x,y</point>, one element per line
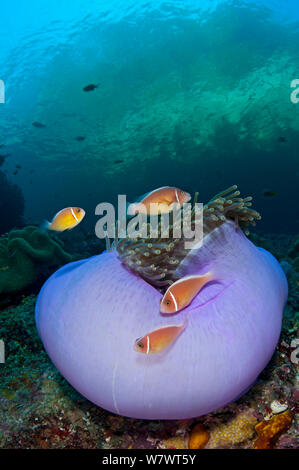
<point>12,204</point>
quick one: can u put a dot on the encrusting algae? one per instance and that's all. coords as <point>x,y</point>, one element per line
<point>233,433</point>
<point>269,431</point>
<point>156,259</point>
<point>176,442</point>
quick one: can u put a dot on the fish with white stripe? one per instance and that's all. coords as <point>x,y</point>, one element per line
<point>159,201</point>
<point>181,293</point>
<point>159,339</point>
<point>66,219</point>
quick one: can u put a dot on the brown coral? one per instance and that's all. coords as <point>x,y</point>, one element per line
<point>269,431</point>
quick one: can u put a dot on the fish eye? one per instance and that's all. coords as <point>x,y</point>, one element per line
<point>79,210</point>
<point>140,344</point>
<point>167,302</point>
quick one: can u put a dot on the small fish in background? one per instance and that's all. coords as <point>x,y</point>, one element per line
<point>166,195</point>
<point>90,87</point>
<point>15,172</point>
<point>118,161</point>
<point>18,166</point>
<point>282,139</point>
<point>181,293</point>
<point>80,138</point>
<point>269,193</point>
<point>158,340</point>
<point>38,125</point>
<point>66,219</point>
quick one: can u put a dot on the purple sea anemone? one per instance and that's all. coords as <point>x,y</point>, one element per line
<point>89,314</point>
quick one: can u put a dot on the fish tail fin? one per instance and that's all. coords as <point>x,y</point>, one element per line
<point>185,321</point>
<point>212,276</point>
<point>208,276</point>
<point>45,225</point>
<point>215,276</point>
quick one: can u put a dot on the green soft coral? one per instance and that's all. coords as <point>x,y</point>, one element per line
<point>24,254</point>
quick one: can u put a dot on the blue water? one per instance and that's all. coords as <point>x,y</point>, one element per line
<point>190,93</point>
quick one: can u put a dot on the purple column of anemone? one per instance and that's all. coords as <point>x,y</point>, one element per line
<point>90,313</point>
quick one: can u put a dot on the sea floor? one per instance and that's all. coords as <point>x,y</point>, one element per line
<point>39,409</point>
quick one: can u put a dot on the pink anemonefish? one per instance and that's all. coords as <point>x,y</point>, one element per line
<point>66,219</point>
<point>158,340</point>
<point>182,292</point>
<point>165,196</point>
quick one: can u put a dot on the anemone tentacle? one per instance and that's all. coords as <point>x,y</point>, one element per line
<point>156,259</point>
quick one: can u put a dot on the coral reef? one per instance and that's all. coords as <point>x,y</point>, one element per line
<point>82,243</point>
<point>294,248</point>
<point>24,254</point>
<point>11,204</point>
